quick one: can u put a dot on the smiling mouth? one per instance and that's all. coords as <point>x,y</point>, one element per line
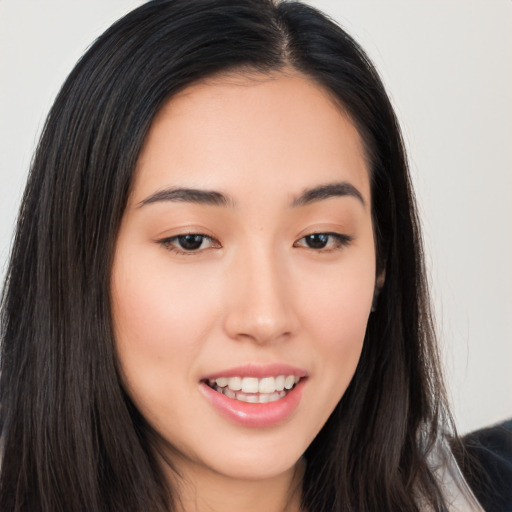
<point>254,390</point>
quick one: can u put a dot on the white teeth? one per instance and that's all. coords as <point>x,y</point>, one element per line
<point>289,382</point>
<point>250,385</point>
<point>252,399</point>
<point>267,385</point>
<point>271,397</point>
<point>280,382</point>
<point>254,390</point>
<point>229,393</point>
<point>235,383</point>
<point>222,382</point>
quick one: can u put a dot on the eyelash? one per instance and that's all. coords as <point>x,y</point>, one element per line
<point>171,243</point>
<point>339,241</point>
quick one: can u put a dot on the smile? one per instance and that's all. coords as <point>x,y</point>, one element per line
<point>254,390</point>
<point>258,396</point>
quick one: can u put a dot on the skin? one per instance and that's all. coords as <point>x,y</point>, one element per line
<point>254,292</point>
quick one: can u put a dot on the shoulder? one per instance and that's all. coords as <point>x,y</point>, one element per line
<point>485,458</point>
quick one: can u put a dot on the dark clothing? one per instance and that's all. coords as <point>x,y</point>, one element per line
<point>486,461</point>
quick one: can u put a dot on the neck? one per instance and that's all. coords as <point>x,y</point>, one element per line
<point>201,490</point>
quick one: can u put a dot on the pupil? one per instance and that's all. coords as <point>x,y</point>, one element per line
<point>190,242</point>
<point>317,240</point>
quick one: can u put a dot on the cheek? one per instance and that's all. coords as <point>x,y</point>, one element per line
<point>161,324</point>
<point>335,315</point>
<point>337,302</point>
<point>340,326</point>
<point>339,341</point>
<point>157,307</point>
<point>340,316</point>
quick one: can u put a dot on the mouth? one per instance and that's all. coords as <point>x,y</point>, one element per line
<point>258,396</point>
<point>253,389</point>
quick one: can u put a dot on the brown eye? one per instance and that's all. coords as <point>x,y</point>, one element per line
<point>190,242</point>
<point>324,241</point>
<point>317,240</point>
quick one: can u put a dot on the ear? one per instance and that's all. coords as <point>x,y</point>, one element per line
<point>380,279</point>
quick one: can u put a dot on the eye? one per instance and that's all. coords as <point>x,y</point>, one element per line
<point>324,241</point>
<point>189,243</point>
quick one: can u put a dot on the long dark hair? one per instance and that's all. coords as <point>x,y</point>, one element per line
<point>72,439</point>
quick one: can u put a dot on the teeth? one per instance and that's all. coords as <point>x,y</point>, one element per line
<point>280,382</point>
<point>229,393</point>
<point>271,397</point>
<point>254,390</point>
<point>222,382</point>
<point>253,398</point>
<point>250,385</point>
<point>263,398</point>
<point>289,382</point>
<point>267,385</point>
<point>235,383</point>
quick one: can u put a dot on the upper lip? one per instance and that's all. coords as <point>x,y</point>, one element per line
<point>259,371</point>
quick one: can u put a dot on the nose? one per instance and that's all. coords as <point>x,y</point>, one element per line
<point>260,306</point>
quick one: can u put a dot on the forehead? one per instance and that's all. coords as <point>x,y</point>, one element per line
<point>281,131</point>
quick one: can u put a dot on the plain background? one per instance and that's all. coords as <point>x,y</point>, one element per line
<point>447,66</point>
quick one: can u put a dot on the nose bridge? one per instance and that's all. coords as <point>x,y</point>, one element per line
<point>260,306</point>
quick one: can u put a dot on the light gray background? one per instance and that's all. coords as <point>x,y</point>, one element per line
<point>448,67</point>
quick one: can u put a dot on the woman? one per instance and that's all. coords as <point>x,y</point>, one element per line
<point>219,213</point>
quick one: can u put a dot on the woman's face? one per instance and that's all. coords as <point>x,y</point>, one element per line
<point>245,262</point>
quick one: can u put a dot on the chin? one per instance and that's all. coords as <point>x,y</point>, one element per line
<point>257,467</point>
<point>254,456</point>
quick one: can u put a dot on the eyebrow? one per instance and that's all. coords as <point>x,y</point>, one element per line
<point>327,191</point>
<point>188,195</point>
<point>214,198</point>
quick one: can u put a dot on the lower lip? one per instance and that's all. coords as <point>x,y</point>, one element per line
<point>255,415</point>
